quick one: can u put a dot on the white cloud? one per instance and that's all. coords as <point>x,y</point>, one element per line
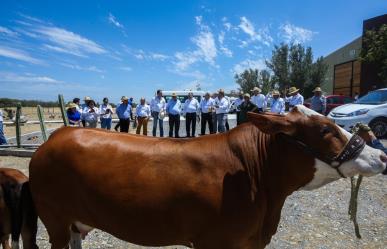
<point>227,25</point>
<point>226,51</point>
<point>157,56</point>
<point>206,49</point>
<point>292,33</point>
<point>26,78</point>
<point>127,69</point>
<point>68,42</point>
<point>89,68</point>
<point>246,64</point>
<point>18,55</point>
<point>8,32</point>
<point>262,35</point>
<point>113,20</point>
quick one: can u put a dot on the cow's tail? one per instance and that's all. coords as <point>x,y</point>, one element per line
<point>25,219</point>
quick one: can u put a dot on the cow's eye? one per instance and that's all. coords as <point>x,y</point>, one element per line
<point>325,130</point>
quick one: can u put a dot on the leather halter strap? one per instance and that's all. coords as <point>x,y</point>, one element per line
<point>350,151</point>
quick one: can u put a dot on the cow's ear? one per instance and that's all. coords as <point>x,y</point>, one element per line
<point>272,123</point>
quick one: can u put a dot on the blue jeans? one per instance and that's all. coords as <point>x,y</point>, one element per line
<point>106,123</point>
<point>155,116</point>
<point>2,137</point>
<point>221,120</point>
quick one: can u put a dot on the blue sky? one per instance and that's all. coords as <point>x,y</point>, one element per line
<point>115,48</point>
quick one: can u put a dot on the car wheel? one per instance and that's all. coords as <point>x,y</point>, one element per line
<point>379,127</point>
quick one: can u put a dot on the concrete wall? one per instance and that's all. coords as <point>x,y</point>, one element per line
<point>347,53</point>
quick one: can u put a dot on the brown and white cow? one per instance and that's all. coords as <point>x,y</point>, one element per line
<point>221,191</point>
<point>17,212</point>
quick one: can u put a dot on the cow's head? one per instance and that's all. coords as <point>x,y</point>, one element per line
<point>325,139</point>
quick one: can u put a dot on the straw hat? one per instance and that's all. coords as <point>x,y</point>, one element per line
<point>221,91</point>
<point>87,98</point>
<point>174,95</point>
<point>275,93</point>
<point>71,105</point>
<point>256,89</point>
<point>246,95</point>
<point>124,98</point>
<point>317,89</point>
<point>293,90</point>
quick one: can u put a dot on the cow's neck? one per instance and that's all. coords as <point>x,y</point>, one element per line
<point>276,170</point>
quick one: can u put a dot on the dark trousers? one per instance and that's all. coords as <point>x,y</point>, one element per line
<point>190,118</point>
<point>124,125</point>
<point>174,122</point>
<point>207,118</point>
<point>237,116</point>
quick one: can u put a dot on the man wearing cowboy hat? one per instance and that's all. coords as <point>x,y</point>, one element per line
<point>318,102</point>
<point>143,114</point>
<point>206,108</point>
<point>278,104</point>
<point>295,97</point>
<point>258,99</point>
<point>245,107</point>
<point>124,113</point>
<point>173,110</point>
<point>157,106</point>
<point>73,115</point>
<point>222,108</point>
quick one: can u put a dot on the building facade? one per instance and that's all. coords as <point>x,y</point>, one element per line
<point>348,75</point>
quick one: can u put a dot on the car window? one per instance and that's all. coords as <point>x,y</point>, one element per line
<point>347,100</point>
<point>373,98</point>
<point>335,100</point>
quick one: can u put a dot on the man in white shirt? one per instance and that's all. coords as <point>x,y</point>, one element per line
<point>295,98</point>
<point>222,108</point>
<point>2,136</point>
<point>157,107</point>
<point>278,104</point>
<point>258,99</point>
<point>106,111</point>
<point>90,115</point>
<point>143,114</point>
<point>191,106</point>
<point>237,104</point>
<point>206,109</point>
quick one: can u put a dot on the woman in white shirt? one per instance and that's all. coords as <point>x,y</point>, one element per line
<point>90,115</point>
<point>106,111</point>
<point>143,114</point>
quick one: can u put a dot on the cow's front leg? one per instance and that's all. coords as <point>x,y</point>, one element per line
<point>75,241</point>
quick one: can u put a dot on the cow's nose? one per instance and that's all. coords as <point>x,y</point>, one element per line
<point>383,157</point>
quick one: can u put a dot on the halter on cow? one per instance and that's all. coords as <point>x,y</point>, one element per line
<point>221,191</point>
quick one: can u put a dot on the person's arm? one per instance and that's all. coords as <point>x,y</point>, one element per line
<point>167,108</point>
<point>223,105</point>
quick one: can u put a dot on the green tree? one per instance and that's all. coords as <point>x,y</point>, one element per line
<point>247,80</point>
<point>375,51</point>
<point>317,75</point>
<point>265,81</point>
<point>279,65</point>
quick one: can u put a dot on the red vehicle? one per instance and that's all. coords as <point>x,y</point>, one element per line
<point>333,101</point>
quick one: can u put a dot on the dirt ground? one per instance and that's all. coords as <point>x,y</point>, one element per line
<point>310,219</point>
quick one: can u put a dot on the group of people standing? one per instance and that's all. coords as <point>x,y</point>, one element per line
<point>212,110</point>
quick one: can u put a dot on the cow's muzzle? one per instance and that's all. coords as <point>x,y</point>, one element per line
<point>383,158</point>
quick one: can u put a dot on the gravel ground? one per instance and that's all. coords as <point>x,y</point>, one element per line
<point>310,219</point>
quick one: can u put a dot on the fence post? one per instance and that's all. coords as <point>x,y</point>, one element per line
<point>42,124</point>
<point>18,130</point>
<point>63,110</point>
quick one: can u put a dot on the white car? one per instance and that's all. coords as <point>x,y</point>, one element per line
<point>371,109</point>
